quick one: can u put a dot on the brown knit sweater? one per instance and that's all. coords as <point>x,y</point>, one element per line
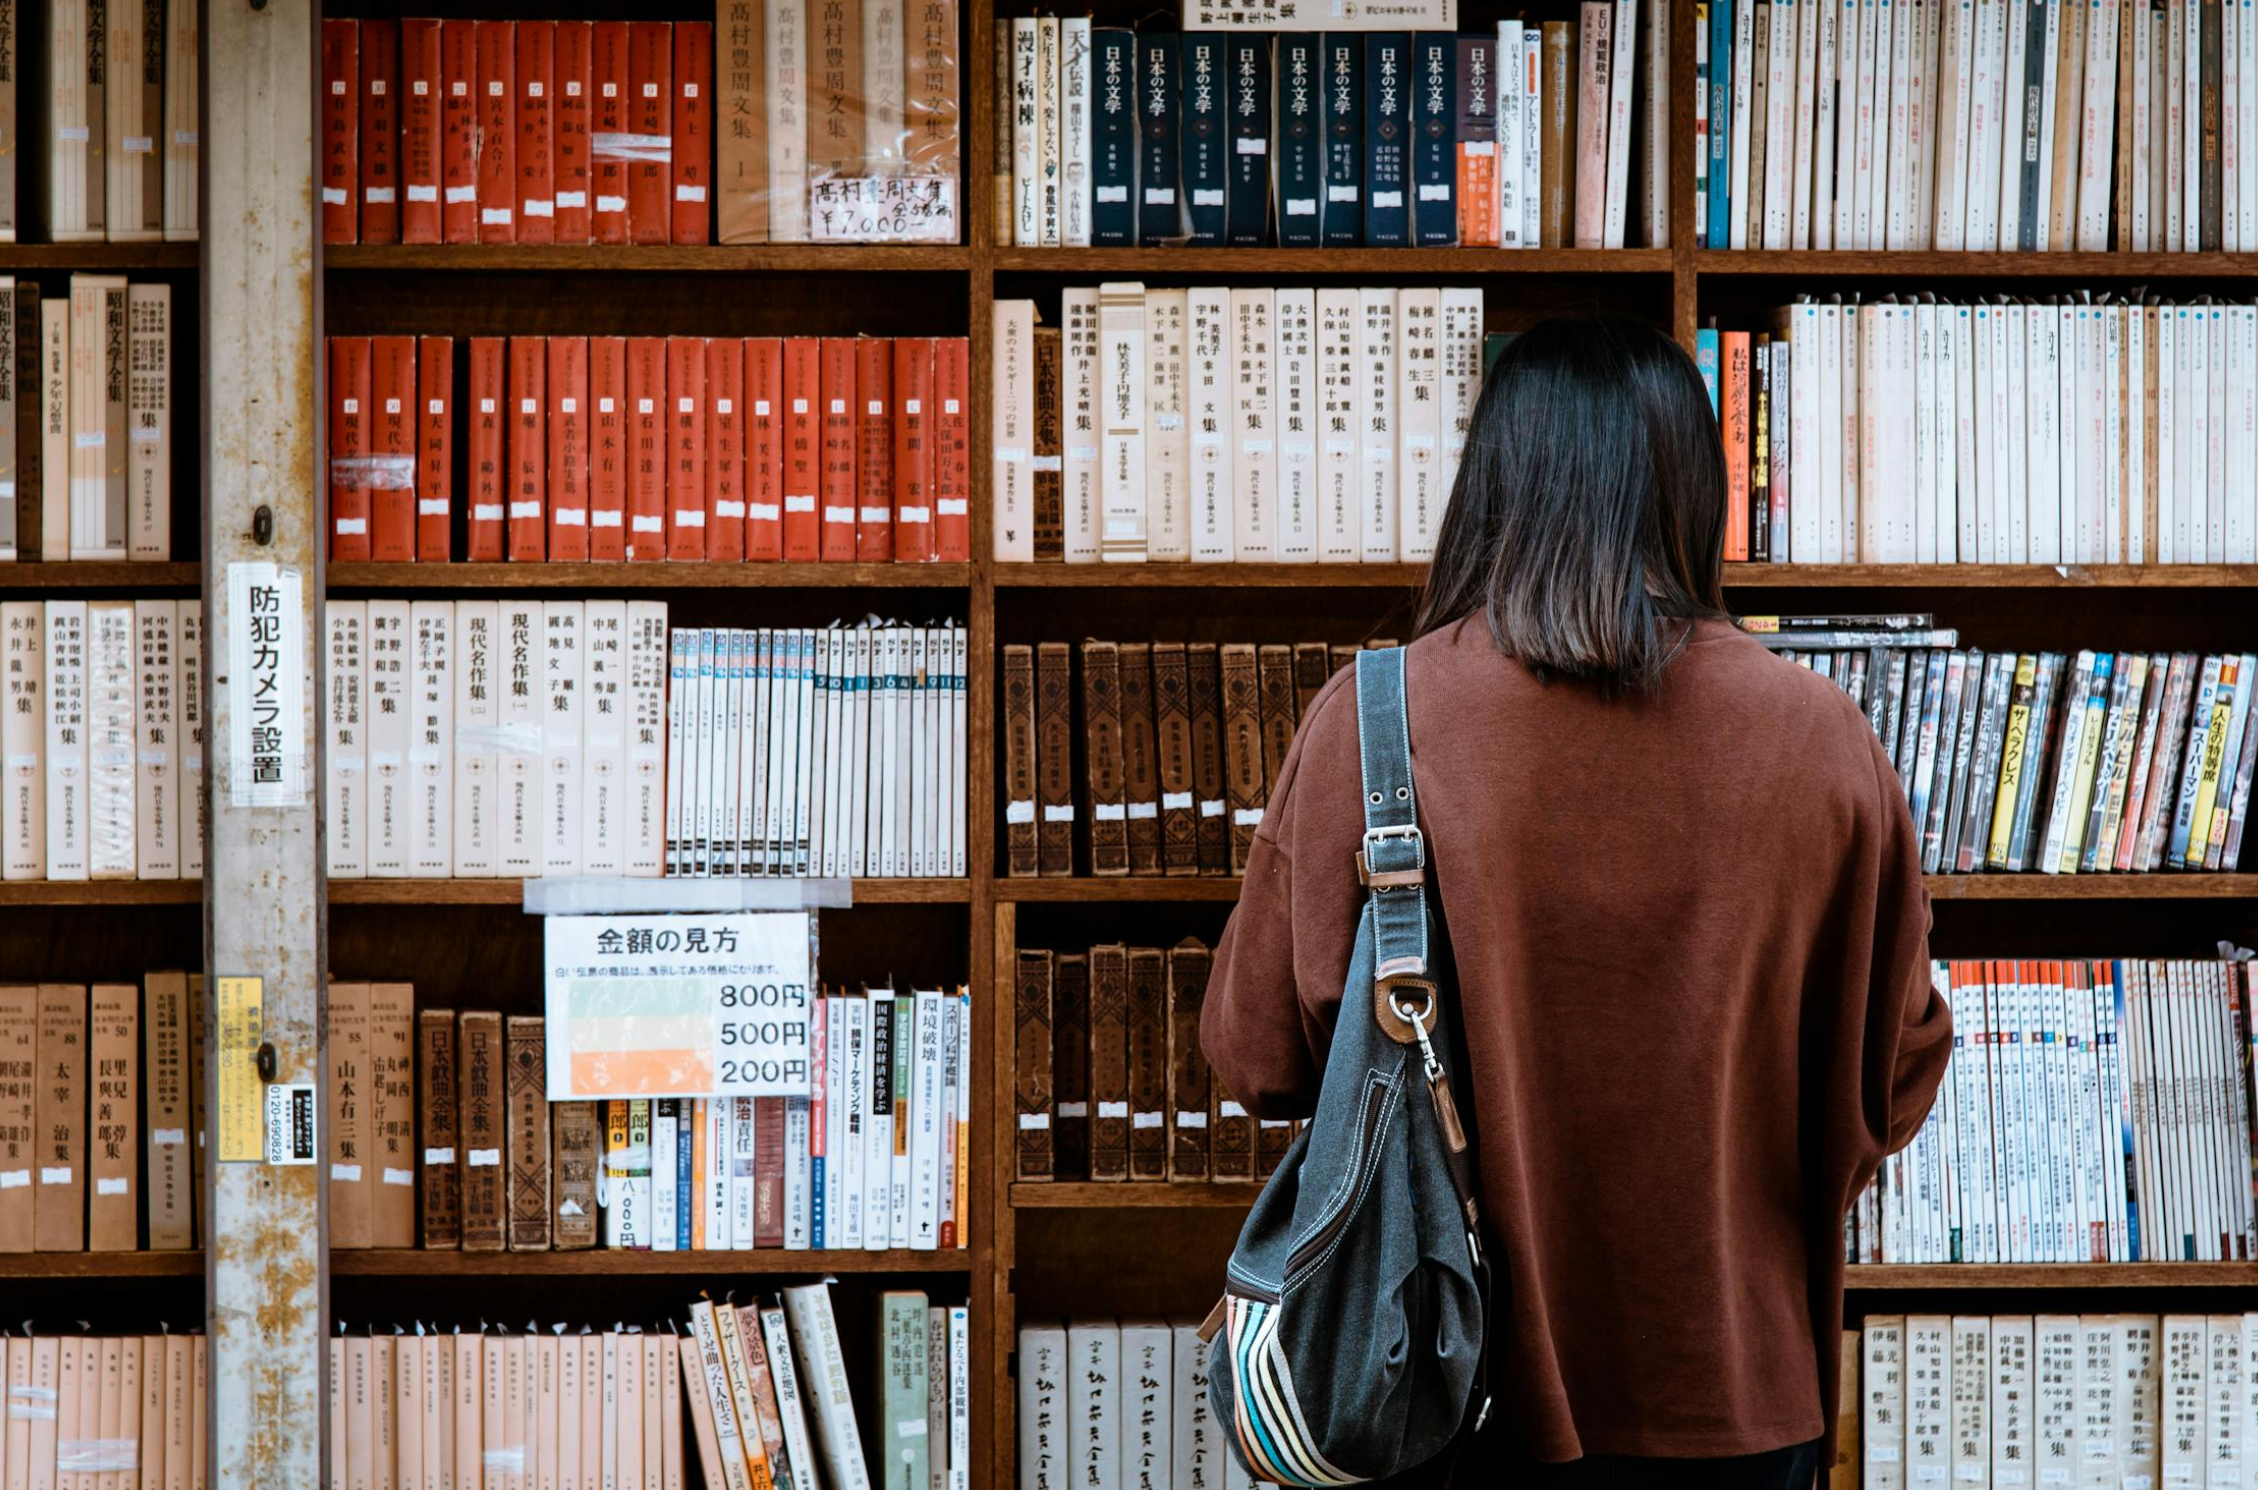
<point>1692,949</point>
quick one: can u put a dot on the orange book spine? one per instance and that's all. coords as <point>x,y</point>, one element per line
<point>536,137</point>
<point>568,448</point>
<point>913,449</point>
<point>379,131</point>
<point>685,447</point>
<point>348,449</point>
<point>1477,194</point>
<point>836,450</point>
<point>607,448</point>
<point>693,132</point>
<point>650,119</point>
<point>575,52</point>
<point>489,483</point>
<point>497,131</point>
<point>646,437</point>
<point>458,131</point>
<point>528,487</point>
<point>874,450</point>
<point>435,447</point>
<point>340,131</point>
<point>422,85</point>
<point>764,449</point>
<point>725,454</point>
<point>392,449</point>
<point>607,157</point>
<point>1733,392</point>
<point>803,454</point>
<point>952,450</point>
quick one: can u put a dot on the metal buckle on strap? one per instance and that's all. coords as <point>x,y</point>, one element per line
<point>1392,879</point>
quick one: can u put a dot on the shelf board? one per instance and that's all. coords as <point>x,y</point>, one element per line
<point>512,892</point>
<point>100,576</point>
<point>94,258</point>
<point>1824,262</point>
<point>101,892</point>
<point>579,578</point>
<point>102,1265</point>
<point>1086,890</point>
<point>1082,1195</point>
<point>1871,1278</point>
<point>409,1262</point>
<point>1992,576</point>
<point>663,258</point>
<point>1174,576</point>
<point>1161,259</point>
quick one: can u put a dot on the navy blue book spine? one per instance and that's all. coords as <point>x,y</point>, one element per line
<point>1113,130</point>
<point>1247,221</point>
<point>1204,178</point>
<point>1341,94</point>
<point>1160,208</point>
<point>1387,139</point>
<point>1434,139</point>
<point>1301,141</point>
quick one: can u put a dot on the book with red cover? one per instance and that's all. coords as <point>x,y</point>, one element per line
<point>646,443</point>
<point>764,449</point>
<point>568,448</point>
<point>570,110</point>
<point>607,448</point>
<point>693,132</point>
<point>458,131</point>
<point>379,131</point>
<point>435,447</point>
<point>836,480</point>
<point>725,449</point>
<point>536,138</point>
<point>768,1172</point>
<point>340,131</point>
<point>913,449</point>
<point>497,131</point>
<point>392,444</point>
<point>803,447</point>
<point>528,455</point>
<point>650,119</point>
<point>484,449</point>
<point>422,85</point>
<point>607,132</point>
<point>874,450</point>
<point>685,447</point>
<point>952,450</point>
<point>348,449</point>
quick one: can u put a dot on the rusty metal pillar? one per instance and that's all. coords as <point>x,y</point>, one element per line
<point>266,1289</point>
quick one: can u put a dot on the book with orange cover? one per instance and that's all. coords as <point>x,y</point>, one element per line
<point>571,99</point>
<point>1734,424</point>
<point>607,155</point>
<point>434,395</point>
<point>485,462</point>
<point>607,448</point>
<point>803,448</point>
<point>422,88</point>
<point>685,448</point>
<point>725,449</point>
<point>340,131</point>
<point>912,496</point>
<point>351,1218</point>
<point>113,1155</point>
<point>568,448</point>
<point>349,497</point>
<point>19,1084</point>
<point>528,448</point>
<point>390,419</point>
<point>536,131</point>
<point>497,131</point>
<point>692,128</point>
<point>874,415</point>
<point>481,1067</point>
<point>952,449</point>
<point>458,131</point>
<point>764,449</point>
<point>392,1115</point>
<point>650,117</point>
<point>835,427</point>
<point>379,132</point>
<point>647,449</point>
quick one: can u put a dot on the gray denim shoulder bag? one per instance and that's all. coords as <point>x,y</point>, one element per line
<point>1354,1319</point>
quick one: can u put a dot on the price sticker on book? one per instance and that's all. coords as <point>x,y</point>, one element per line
<point>703,1005</point>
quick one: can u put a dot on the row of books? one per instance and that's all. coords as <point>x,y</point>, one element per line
<point>1120,1404</point>
<point>801,127</point>
<point>120,120</point>
<point>101,1115</point>
<point>2003,124</point>
<point>2093,1112</point>
<point>104,1410</point>
<point>1340,139</point>
<point>1180,744</point>
<point>648,448</point>
<point>2114,1399</point>
<point>103,740</point>
<point>2093,762</point>
<point>86,419</point>
<point>441,1134</point>
<point>1251,423</point>
<point>2076,430</point>
<point>1109,1079</point>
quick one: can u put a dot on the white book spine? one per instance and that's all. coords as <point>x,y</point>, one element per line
<point>149,419</point>
<point>665,1187</point>
<point>786,56</point>
<point>1837,415</point>
<point>1419,396</point>
<point>851,1029</point>
<point>604,704</point>
<point>1376,453</point>
<point>1653,82</point>
<point>1049,206</point>
<point>2013,1441</point>
<point>2216,480</point>
<point>518,737</point>
<point>1042,1404</point>
<point>1253,424</point>
<point>2097,132</point>
<point>1511,113</point>
<point>1532,137</point>
<point>1168,450</point>
<point>1074,144</point>
<point>1014,424</point>
<point>1971,1401</point>
<point>560,790</point>
<point>1743,63</point>
<point>927,1114</point>
<point>1920,535</point>
<point>1878,48</point>
<point>2245,88</point>
<point>1979,213</point>
<point>2191,126</point>
<point>815,1338</point>
<point>390,728</point>
<point>345,805</point>
<point>1196,1446</point>
<point>1619,86</point>
<point>2142,104</point>
<point>1093,1400</point>
<point>2242,424</point>
<point>1210,376</point>
<point>193,800</point>
<point>1778,185</point>
<point>646,706</point>
<point>2045,232</point>
<point>792,1384</point>
<point>1295,337</point>
<point>1340,539</point>
<point>1809,20</point>
<point>477,761</point>
<point>1882,1402</point>
<point>1123,392</point>
<point>23,740</point>
<point>431,763</point>
<point>1461,347</point>
<point>2185,1396</point>
<point>725,1190</point>
<point>1078,422</point>
<point>1850,120</point>
<point>110,729</point>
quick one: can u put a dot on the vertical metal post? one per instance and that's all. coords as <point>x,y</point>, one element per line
<point>266,1279</point>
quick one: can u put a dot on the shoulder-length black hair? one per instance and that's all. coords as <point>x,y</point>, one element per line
<point>1590,506</point>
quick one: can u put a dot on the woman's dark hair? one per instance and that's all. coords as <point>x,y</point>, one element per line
<point>1590,505</point>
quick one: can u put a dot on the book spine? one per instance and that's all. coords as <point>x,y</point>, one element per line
<point>1203,163</point>
<point>1387,140</point>
<point>1248,99</point>
<point>535,192</point>
<point>691,131</point>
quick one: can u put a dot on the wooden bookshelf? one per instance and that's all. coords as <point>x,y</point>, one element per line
<point>121,577</point>
<point>98,1267</point>
<point>101,892</point>
<point>100,258</point>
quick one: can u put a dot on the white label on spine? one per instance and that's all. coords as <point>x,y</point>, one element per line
<point>1145,1120</point>
<point>1160,196</point>
<point>1113,1109</point>
<point>347,1174</point>
<point>689,193</point>
<point>1230,1109</point>
<point>399,1176</point>
<point>1387,199</point>
<point>14,1179</point>
<point>1246,817</point>
<point>572,199</point>
<point>525,509</point>
<point>1206,197</point>
<point>379,194</point>
<point>1211,807</point>
<point>1340,193</point>
<point>57,1174</point>
<point>1055,813</point>
<point>166,1138</point>
<point>1020,811</point>
<point>1176,801</point>
<point>457,194</point>
<point>1113,193</point>
<point>484,1158</point>
<point>953,507</point>
<point>1034,1121</point>
<point>1073,1109</point>
<point>431,506</point>
<point>110,1185</point>
<point>1191,1119</point>
<point>439,1156</point>
<point>1106,812</point>
<point>1139,811</point>
<point>423,193</point>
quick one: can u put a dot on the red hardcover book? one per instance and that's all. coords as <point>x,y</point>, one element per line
<point>913,449</point>
<point>725,449</point>
<point>379,130</point>
<point>528,452</point>
<point>764,449</point>
<point>646,442</point>
<point>693,131</point>
<point>607,135</point>
<point>435,447</point>
<point>458,131</point>
<point>768,1175</point>
<point>536,132</point>
<point>803,447</point>
<point>422,85</point>
<point>484,452</point>
<point>874,450</point>
<point>836,451</point>
<point>575,51</point>
<point>952,451</point>
<point>607,448</point>
<point>497,131</point>
<point>348,449</point>
<point>650,120</point>
<point>340,131</point>
<point>568,448</point>
<point>685,447</point>
<point>392,448</point>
